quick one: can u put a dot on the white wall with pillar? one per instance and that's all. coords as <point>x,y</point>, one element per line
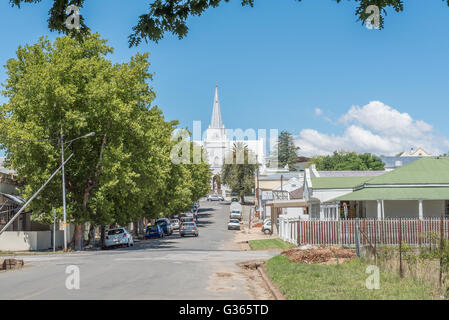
<point>414,209</point>
<point>330,211</point>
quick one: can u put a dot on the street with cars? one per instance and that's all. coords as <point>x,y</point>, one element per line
<point>161,266</point>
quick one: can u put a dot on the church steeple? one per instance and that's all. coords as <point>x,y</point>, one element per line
<point>216,121</point>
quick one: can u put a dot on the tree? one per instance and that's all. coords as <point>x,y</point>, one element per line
<point>287,151</point>
<point>70,86</point>
<point>200,172</point>
<point>239,169</point>
<point>341,161</point>
<point>171,15</point>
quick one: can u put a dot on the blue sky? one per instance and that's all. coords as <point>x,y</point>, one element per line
<point>309,68</point>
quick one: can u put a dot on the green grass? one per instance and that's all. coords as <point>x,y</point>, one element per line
<point>275,243</point>
<point>345,281</point>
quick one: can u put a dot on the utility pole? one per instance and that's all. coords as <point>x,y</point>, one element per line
<point>54,230</point>
<point>258,189</point>
<point>63,191</point>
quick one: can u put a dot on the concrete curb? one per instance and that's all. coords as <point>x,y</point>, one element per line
<point>277,294</point>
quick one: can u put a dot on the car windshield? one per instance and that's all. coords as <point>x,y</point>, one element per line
<point>234,221</point>
<point>188,225</point>
<point>161,222</point>
<point>115,231</point>
<point>234,211</point>
<point>152,228</point>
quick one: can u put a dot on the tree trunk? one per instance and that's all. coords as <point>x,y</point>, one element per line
<point>102,236</point>
<point>91,237</point>
<point>78,237</point>
<point>136,227</point>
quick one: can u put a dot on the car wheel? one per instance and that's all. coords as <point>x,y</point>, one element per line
<point>266,231</point>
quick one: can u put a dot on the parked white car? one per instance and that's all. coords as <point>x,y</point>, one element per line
<point>118,237</point>
<point>236,211</point>
<point>235,214</point>
<point>234,224</point>
<point>175,224</point>
<point>214,197</point>
<point>266,228</point>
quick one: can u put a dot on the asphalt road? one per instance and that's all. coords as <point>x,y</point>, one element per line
<point>170,268</point>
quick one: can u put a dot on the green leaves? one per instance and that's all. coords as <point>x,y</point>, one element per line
<point>239,169</point>
<point>287,151</point>
<point>122,173</point>
<point>171,16</point>
<point>341,161</point>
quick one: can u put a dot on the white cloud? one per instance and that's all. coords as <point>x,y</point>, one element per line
<point>375,128</point>
<point>318,112</point>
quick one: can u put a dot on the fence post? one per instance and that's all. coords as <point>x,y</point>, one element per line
<point>375,241</point>
<point>340,241</point>
<point>400,247</point>
<point>357,238</point>
<point>441,251</point>
<point>298,225</point>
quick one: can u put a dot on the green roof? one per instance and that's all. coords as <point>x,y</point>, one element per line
<point>422,171</point>
<point>396,193</point>
<point>338,182</point>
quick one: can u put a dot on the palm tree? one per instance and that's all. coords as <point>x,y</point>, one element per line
<point>239,169</point>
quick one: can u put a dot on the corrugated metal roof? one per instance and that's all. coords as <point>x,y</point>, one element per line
<point>277,176</point>
<point>338,182</point>
<point>423,171</point>
<point>407,193</point>
<point>396,162</point>
<point>351,173</point>
<point>14,199</point>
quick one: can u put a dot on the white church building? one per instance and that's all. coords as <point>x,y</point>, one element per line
<point>218,141</point>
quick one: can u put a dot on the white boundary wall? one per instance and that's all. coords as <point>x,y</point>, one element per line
<point>31,240</point>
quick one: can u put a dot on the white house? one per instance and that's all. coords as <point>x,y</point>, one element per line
<point>417,190</point>
<point>322,186</point>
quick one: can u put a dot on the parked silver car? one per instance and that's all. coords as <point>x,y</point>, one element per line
<point>234,224</point>
<point>188,228</point>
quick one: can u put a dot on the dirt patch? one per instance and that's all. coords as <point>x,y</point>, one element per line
<point>241,238</point>
<point>324,255</point>
<point>237,282</point>
<point>256,285</point>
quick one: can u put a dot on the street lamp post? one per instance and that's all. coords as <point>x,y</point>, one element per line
<point>63,191</point>
<point>63,181</point>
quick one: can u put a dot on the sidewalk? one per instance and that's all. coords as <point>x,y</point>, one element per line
<point>241,237</point>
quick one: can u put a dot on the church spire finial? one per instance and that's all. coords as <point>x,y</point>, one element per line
<point>216,121</point>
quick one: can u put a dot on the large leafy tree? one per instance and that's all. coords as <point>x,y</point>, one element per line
<point>70,86</point>
<point>287,151</point>
<point>171,15</point>
<point>341,161</point>
<point>188,178</point>
<point>239,170</point>
<point>199,171</point>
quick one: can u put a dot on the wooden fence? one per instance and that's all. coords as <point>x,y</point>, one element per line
<point>380,232</point>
